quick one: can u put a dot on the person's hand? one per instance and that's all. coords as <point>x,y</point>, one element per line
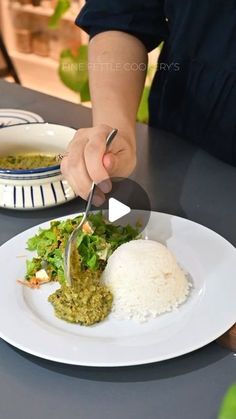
<point>87,161</point>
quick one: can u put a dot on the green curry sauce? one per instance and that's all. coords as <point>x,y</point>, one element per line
<point>27,161</point>
<point>87,301</point>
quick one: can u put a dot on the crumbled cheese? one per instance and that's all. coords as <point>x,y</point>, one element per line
<point>42,274</point>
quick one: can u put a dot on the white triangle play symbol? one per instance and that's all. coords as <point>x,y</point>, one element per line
<point>116,209</point>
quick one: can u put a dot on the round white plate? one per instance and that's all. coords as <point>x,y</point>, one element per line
<point>17,116</point>
<point>27,320</point>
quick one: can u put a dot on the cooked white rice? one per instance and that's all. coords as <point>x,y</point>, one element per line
<point>145,280</point>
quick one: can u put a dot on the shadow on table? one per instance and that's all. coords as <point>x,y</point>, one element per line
<point>200,359</point>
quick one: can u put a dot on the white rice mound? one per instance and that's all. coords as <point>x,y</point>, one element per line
<point>145,280</point>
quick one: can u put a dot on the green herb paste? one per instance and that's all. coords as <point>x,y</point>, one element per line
<point>27,161</point>
<point>87,301</point>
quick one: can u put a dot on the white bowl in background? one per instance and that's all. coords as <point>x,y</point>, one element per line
<point>34,188</point>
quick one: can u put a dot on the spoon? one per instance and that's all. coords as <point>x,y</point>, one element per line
<point>72,239</point>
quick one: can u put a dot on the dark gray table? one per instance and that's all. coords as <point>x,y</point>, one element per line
<point>182,180</point>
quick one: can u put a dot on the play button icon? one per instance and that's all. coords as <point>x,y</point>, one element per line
<point>127,204</point>
<point>116,210</point>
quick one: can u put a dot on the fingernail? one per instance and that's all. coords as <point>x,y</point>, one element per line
<point>105,186</point>
<point>97,200</point>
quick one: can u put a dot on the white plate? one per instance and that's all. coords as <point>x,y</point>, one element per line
<point>17,116</point>
<point>27,320</point>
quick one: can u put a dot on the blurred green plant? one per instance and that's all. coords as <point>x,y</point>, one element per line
<point>62,6</point>
<point>73,69</point>
<point>228,405</point>
<point>142,115</point>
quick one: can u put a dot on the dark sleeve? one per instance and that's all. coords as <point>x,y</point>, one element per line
<point>144,19</point>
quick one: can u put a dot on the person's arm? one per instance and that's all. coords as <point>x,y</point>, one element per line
<point>117,64</point>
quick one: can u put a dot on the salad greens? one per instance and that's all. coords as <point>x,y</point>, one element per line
<point>94,246</point>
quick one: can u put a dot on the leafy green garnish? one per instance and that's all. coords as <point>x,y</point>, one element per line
<point>93,248</point>
<point>32,266</point>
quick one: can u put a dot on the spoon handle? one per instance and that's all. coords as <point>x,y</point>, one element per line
<point>109,140</point>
